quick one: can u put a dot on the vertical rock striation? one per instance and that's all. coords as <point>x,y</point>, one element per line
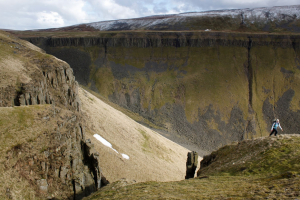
<point>60,162</point>
<point>51,84</point>
<point>205,88</point>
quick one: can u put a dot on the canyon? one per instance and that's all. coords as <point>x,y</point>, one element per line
<point>120,102</point>
<point>200,89</point>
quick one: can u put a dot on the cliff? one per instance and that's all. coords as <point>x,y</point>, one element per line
<point>42,128</point>
<point>205,88</point>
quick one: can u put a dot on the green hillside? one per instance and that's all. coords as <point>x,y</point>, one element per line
<point>253,169</point>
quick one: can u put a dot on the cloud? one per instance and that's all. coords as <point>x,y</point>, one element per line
<point>32,14</point>
<point>49,19</point>
<point>37,14</point>
<point>109,9</point>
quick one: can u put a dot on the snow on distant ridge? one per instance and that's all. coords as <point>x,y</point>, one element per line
<point>268,12</point>
<point>254,14</point>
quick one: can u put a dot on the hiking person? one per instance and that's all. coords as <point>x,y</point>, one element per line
<point>274,127</point>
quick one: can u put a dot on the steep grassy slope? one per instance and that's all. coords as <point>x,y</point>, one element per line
<point>26,133</point>
<point>252,169</point>
<point>18,127</point>
<point>151,156</point>
<point>202,89</point>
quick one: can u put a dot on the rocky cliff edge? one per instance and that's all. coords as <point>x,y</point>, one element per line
<point>42,129</point>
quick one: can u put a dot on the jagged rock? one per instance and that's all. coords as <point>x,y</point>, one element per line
<point>43,185</point>
<point>191,164</point>
<point>47,82</point>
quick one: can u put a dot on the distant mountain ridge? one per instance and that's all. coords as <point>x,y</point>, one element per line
<point>269,19</point>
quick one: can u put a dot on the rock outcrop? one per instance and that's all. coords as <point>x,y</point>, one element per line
<point>50,85</point>
<point>59,162</point>
<point>191,164</point>
<point>68,165</point>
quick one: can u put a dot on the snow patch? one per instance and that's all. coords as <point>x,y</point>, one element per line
<point>125,156</point>
<point>104,142</point>
<point>108,144</point>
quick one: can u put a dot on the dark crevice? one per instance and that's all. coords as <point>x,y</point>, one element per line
<point>250,72</point>
<point>89,161</point>
<point>294,45</point>
<point>38,100</point>
<point>74,189</point>
<point>29,100</point>
<point>81,134</point>
<point>17,97</point>
<point>105,48</point>
<point>59,171</point>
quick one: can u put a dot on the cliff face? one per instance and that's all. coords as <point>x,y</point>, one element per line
<point>44,144</point>
<point>206,89</point>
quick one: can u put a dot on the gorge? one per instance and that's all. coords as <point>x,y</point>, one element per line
<point>202,89</point>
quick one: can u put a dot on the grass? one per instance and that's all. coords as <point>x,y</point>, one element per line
<point>264,157</point>
<point>146,143</point>
<point>18,126</point>
<point>267,175</point>
<point>15,125</point>
<point>214,187</point>
<point>23,132</point>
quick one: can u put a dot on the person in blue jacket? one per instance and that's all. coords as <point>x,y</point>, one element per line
<point>274,127</point>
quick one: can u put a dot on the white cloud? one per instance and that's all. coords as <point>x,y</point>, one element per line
<point>109,9</point>
<point>49,19</point>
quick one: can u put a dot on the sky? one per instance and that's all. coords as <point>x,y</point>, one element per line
<point>41,14</point>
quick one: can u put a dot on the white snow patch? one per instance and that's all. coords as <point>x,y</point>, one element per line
<point>252,15</point>
<point>108,144</point>
<point>104,141</point>
<point>125,156</point>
